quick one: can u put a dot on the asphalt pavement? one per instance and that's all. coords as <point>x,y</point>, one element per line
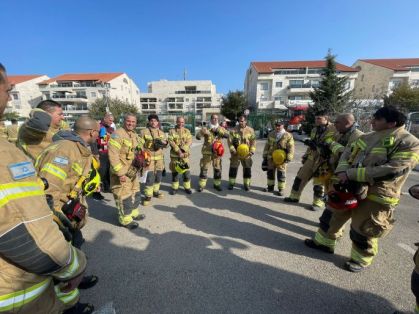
<point>240,252</point>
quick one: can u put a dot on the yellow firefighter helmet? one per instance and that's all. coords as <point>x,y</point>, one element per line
<point>243,151</point>
<point>92,182</point>
<point>278,157</point>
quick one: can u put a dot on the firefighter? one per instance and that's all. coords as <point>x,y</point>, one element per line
<point>36,133</point>
<point>242,144</point>
<point>378,166</point>
<point>212,151</point>
<point>345,124</point>
<point>153,141</point>
<point>180,141</point>
<point>280,144</point>
<point>67,166</point>
<point>34,256</point>
<point>100,149</point>
<point>315,162</point>
<point>125,189</point>
<point>12,131</point>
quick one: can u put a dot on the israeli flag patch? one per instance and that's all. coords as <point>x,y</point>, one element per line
<point>60,160</point>
<point>22,170</point>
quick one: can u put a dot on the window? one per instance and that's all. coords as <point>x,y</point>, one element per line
<point>315,83</point>
<point>296,97</point>
<point>280,99</point>
<point>264,86</point>
<point>93,94</point>
<point>278,84</point>
<point>296,83</point>
<point>315,71</point>
<point>414,83</point>
<point>15,96</point>
<point>125,81</point>
<point>290,71</point>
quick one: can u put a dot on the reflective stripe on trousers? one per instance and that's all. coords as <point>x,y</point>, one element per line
<point>16,299</point>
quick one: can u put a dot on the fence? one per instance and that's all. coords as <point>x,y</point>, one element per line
<point>168,121</point>
<point>263,122</point>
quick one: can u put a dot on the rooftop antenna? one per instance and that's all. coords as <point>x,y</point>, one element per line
<point>185,73</point>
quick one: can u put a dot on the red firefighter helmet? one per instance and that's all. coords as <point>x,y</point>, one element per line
<point>342,200</point>
<point>218,148</point>
<point>142,159</point>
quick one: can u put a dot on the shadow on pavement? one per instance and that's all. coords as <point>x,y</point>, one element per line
<point>182,273</point>
<point>213,224</point>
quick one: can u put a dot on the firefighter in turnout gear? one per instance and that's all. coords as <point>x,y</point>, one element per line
<point>36,134</point>
<point>212,151</point>
<point>67,167</point>
<point>12,131</point>
<point>153,141</point>
<point>345,124</point>
<point>242,144</point>
<point>315,162</point>
<point>180,141</point>
<point>39,268</point>
<point>378,165</point>
<point>279,139</point>
<point>125,189</point>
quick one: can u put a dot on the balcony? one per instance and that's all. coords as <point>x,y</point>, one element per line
<point>68,98</point>
<point>301,88</point>
<point>299,102</point>
<point>75,109</point>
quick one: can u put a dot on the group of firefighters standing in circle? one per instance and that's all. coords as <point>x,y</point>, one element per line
<point>356,177</point>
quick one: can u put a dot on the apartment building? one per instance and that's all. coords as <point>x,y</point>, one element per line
<point>25,93</point>
<point>284,84</point>
<point>76,92</point>
<point>177,97</point>
<point>378,77</point>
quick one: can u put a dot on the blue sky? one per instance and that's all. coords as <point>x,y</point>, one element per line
<point>214,40</point>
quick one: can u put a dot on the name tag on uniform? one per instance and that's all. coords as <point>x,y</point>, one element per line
<point>61,160</point>
<point>21,170</point>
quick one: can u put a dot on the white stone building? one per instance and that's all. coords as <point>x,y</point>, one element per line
<point>378,77</point>
<point>76,92</point>
<point>175,97</point>
<point>25,93</point>
<point>283,84</point>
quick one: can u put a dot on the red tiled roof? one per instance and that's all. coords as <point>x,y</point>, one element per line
<point>16,79</point>
<point>97,77</point>
<point>268,67</point>
<point>394,64</point>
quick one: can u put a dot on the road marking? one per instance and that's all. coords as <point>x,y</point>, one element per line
<point>406,248</point>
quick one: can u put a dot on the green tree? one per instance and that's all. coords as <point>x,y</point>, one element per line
<point>404,97</point>
<point>117,107</point>
<point>330,96</point>
<point>234,104</point>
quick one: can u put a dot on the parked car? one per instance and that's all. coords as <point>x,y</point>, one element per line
<point>166,126</point>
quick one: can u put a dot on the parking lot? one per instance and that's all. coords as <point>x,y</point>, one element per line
<point>240,252</point>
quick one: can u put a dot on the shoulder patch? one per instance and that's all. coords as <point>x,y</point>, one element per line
<point>21,170</point>
<point>60,160</point>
